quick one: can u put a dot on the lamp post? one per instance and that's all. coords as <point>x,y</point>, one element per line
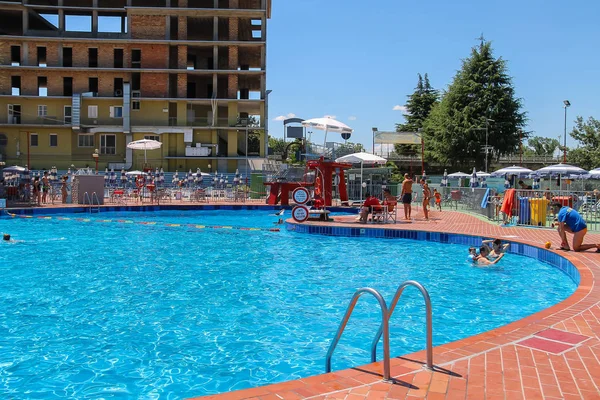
<point>95,156</point>
<point>487,128</point>
<point>374,130</point>
<point>567,104</point>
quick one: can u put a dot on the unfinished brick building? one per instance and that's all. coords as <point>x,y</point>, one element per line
<point>81,75</point>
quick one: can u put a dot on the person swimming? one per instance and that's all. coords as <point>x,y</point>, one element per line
<point>473,256</point>
<point>6,237</point>
<point>483,260</point>
<point>497,247</point>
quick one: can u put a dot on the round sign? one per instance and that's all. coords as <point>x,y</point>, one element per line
<point>300,213</point>
<point>346,135</point>
<point>300,195</point>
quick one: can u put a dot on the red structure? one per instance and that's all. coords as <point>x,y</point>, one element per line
<point>323,182</point>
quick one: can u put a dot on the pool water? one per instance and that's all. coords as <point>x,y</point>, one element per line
<point>111,307</point>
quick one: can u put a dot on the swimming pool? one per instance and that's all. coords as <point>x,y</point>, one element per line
<point>105,305</point>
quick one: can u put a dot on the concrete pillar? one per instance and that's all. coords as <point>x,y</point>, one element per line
<point>25,20</point>
<point>167,26</point>
<point>232,143</point>
<point>214,83</point>
<point>95,21</point>
<point>216,57</point>
<point>123,28</point>
<point>61,20</point>
<point>215,28</point>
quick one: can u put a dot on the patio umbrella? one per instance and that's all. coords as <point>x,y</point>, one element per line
<point>459,174</point>
<point>327,125</point>
<point>506,182</point>
<point>123,176</point>
<point>474,180</point>
<point>483,182</point>
<point>106,176</point>
<point>559,170</point>
<point>144,144</point>
<point>361,158</point>
<point>514,170</point>
<point>15,169</point>
<point>593,174</point>
<point>481,174</point>
<point>135,173</point>
<point>113,175</point>
<point>445,179</point>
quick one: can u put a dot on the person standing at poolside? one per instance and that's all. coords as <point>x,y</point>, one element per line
<point>36,190</point>
<point>438,199</point>
<point>63,190</point>
<point>45,187</point>
<point>406,195</point>
<point>571,221</point>
<point>426,198</point>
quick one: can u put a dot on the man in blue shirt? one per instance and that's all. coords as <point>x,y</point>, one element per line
<point>571,221</point>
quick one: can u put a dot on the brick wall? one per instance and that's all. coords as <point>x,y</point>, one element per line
<point>182,28</point>
<point>181,85</point>
<point>234,28</point>
<point>181,57</point>
<point>232,83</point>
<point>153,56</point>
<point>148,26</point>
<point>234,61</point>
<point>155,85</point>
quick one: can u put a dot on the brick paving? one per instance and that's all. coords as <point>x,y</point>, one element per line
<point>492,365</point>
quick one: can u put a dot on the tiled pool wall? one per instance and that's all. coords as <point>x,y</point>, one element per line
<point>538,253</point>
<point>162,207</point>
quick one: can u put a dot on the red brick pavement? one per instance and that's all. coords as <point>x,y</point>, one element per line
<point>491,365</point>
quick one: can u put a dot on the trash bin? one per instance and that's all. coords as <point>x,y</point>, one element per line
<point>524,211</point>
<point>539,207</point>
<point>564,200</point>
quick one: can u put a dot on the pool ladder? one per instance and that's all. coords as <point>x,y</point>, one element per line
<point>87,200</point>
<point>386,313</point>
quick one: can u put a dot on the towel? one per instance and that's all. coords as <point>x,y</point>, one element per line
<point>508,203</point>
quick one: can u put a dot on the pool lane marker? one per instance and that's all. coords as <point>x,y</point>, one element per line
<point>166,224</point>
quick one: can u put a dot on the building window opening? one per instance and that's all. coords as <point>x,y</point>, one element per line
<point>118,84</point>
<point>116,111</point>
<point>118,55</point>
<point>68,115</point>
<point>78,23</point>
<point>85,140</point>
<point>15,83</point>
<point>53,140</point>
<point>42,86</point>
<point>136,58</point>
<point>67,56</point>
<point>33,140</point>
<point>67,86</point>
<point>15,56</point>
<point>93,85</point>
<point>93,58</point>
<point>42,111</point>
<point>41,56</point>
<point>108,144</point>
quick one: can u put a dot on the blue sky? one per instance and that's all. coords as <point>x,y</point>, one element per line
<point>356,60</point>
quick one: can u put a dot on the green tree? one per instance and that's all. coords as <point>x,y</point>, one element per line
<point>542,146</point>
<point>277,145</point>
<point>482,90</point>
<point>418,107</point>
<point>587,134</point>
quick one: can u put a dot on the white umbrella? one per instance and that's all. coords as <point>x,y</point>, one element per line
<point>361,158</point>
<point>514,170</point>
<point>15,169</point>
<point>459,175</point>
<point>135,173</point>
<point>144,144</point>
<point>481,174</point>
<point>560,169</point>
<point>327,125</point>
<point>593,174</point>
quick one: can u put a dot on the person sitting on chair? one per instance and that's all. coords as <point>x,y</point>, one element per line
<point>371,201</point>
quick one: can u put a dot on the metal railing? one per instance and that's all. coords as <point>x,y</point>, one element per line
<point>427,299</point>
<point>384,324</point>
<point>384,329</point>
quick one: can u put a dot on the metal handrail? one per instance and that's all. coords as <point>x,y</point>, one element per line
<point>384,328</point>
<point>86,198</point>
<point>95,196</point>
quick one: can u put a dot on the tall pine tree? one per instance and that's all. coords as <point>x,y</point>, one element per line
<point>418,107</point>
<point>481,90</point>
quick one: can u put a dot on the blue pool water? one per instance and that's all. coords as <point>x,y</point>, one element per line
<point>119,309</point>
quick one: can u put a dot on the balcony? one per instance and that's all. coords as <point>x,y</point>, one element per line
<point>26,120</point>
